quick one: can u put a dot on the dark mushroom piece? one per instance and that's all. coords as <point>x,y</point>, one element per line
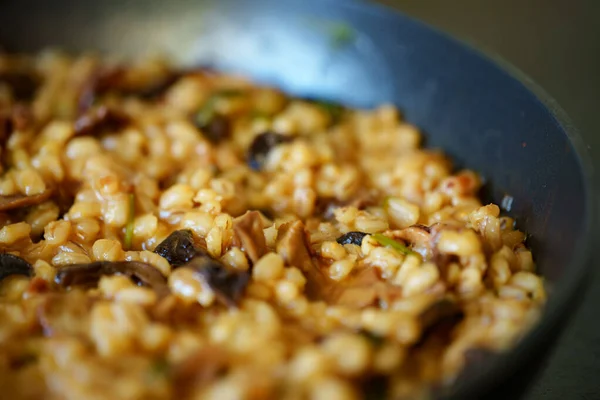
<point>16,201</point>
<point>375,387</point>
<point>362,199</point>
<point>178,248</point>
<point>13,265</point>
<point>18,117</point>
<point>473,359</point>
<point>215,126</point>
<point>96,120</point>
<point>261,146</point>
<point>437,311</point>
<point>352,238</point>
<point>19,201</point>
<point>6,130</point>
<point>217,129</point>
<point>117,80</point>
<point>23,84</point>
<point>89,274</point>
<point>227,284</point>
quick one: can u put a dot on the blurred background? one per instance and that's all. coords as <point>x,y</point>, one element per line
<point>556,43</point>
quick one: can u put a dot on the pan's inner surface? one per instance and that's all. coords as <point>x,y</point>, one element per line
<point>478,114</point>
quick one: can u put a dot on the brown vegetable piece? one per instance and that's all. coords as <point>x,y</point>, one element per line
<point>178,248</point>
<point>360,293</point>
<point>89,274</point>
<point>227,284</point>
<point>437,311</point>
<point>249,235</point>
<point>13,265</point>
<point>23,84</point>
<point>261,146</point>
<point>117,80</point>
<point>292,245</point>
<point>362,199</point>
<point>18,117</point>
<point>362,289</point>
<point>16,201</point>
<point>98,119</point>
<point>217,129</point>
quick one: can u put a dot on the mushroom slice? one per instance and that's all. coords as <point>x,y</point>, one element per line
<point>261,146</point>
<point>292,245</point>
<point>437,311</point>
<point>249,235</point>
<point>13,265</point>
<point>89,274</point>
<point>97,119</point>
<point>16,201</point>
<point>227,283</point>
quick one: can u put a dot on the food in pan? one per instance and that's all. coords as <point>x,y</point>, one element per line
<point>183,233</point>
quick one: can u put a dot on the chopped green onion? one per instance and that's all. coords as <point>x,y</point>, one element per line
<point>205,115</point>
<point>130,222</point>
<point>257,114</point>
<point>389,242</point>
<point>207,112</point>
<point>342,34</point>
<point>160,367</point>
<point>227,93</point>
<point>374,339</point>
<point>386,202</point>
<point>335,111</point>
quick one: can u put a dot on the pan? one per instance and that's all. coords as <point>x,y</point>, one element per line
<point>481,111</point>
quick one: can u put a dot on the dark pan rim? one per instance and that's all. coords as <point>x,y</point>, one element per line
<point>567,291</point>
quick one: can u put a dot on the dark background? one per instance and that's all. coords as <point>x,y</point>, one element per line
<point>556,43</point>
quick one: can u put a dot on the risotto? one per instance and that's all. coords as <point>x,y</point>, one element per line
<point>187,234</point>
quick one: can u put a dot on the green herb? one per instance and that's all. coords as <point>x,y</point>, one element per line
<point>342,34</point>
<point>376,340</point>
<point>130,222</point>
<point>160,367</point>
<point>208,110</point>
<point>388,242</point>
<point>386,202</point>
<point>205,114</point>
<point>335,111</point>
<point>257,114</point>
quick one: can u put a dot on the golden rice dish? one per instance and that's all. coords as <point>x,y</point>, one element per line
<point>187,234</point>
